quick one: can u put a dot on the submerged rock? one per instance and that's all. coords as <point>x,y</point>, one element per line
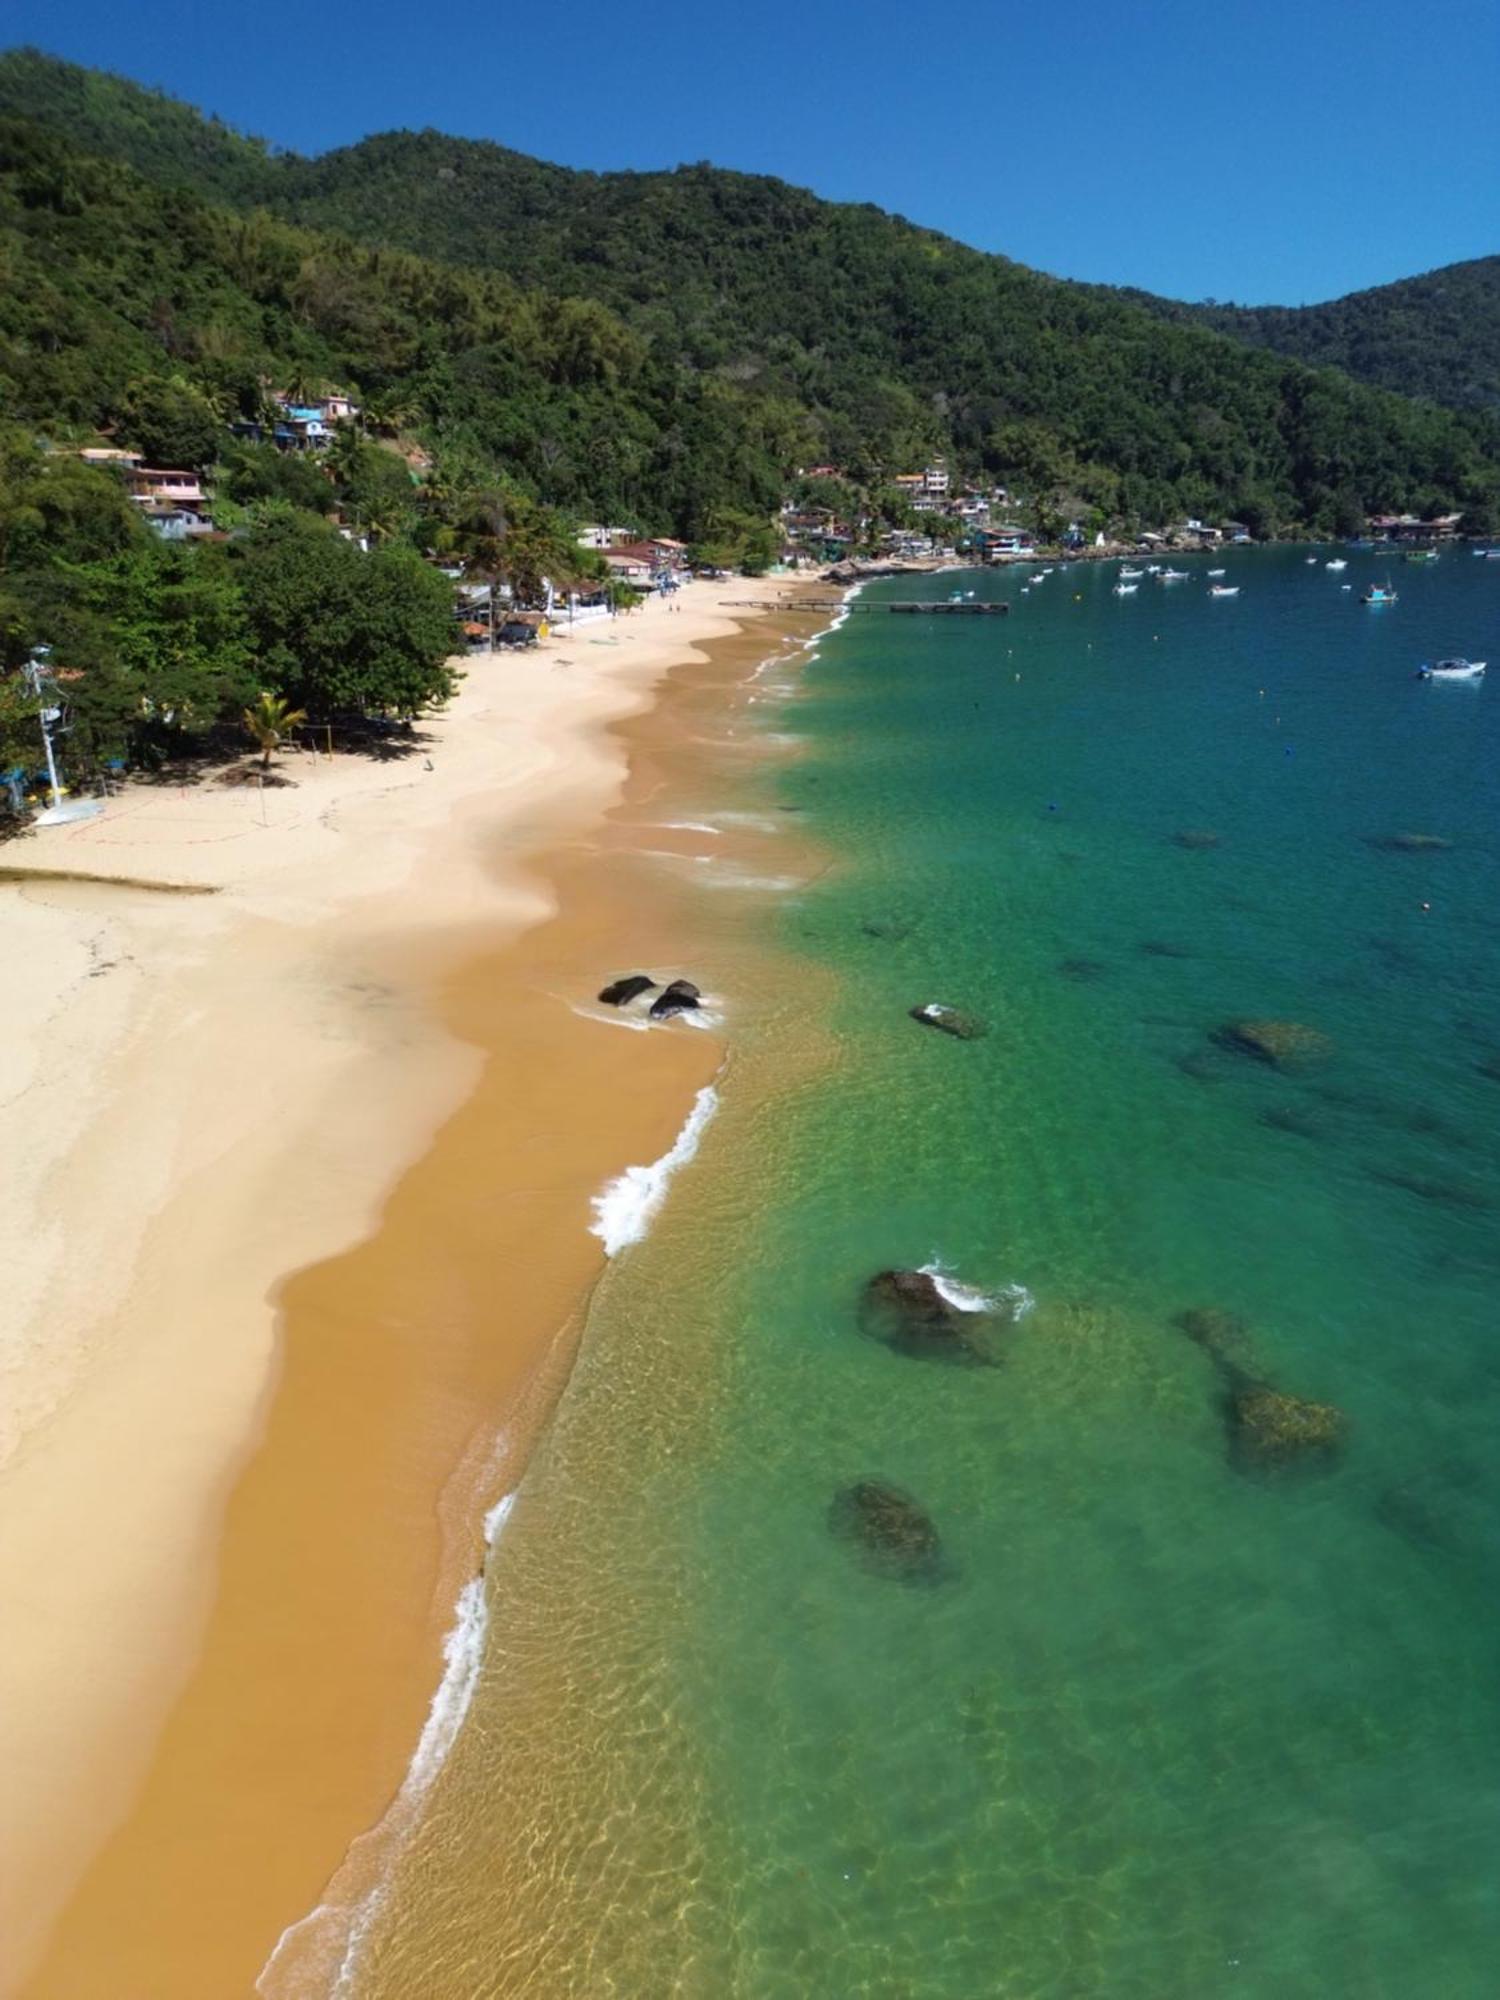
<point>1159,948</point>
<point>890,930</point>
<point>1082,969</point>
<point>1489,1066</point>
<point>1291,1118</point>
<point>620,992</point>
<point>1224,1335</point>
<point>907,1311</point>
<point>1452,1194</point>
<point>1195,837</point>
<point>1408,843</point>
<point>678,998</point>
<point>892,1533</point>
<point>949,1021</point>
<point>1288,1045</point>
<point>1269,1428</point>
<point>1265,1427</point>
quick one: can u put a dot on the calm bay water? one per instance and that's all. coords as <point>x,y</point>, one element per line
<point>1165,1727</point>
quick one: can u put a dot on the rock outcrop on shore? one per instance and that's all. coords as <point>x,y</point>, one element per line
<point>620,992</point>
<point>681,997</point>
<point>949,1021</point>
<point>892,1533</point>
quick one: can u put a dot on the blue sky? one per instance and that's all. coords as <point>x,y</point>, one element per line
<point>1249,149</point>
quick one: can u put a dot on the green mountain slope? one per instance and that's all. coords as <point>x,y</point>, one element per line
<point>779,327</point>
<point>1437,335</point>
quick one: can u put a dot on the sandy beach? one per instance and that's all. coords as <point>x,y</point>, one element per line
<point>215,1474</point>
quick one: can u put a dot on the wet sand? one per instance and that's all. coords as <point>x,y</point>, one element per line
<point>415,1371</point>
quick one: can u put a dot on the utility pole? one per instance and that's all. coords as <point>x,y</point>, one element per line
<point>46,714</point>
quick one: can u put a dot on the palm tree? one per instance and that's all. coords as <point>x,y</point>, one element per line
<point>269,721</point>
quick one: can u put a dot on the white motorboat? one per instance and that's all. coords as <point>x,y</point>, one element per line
<point>1223,590</point>
<point>1131,572</point>
<point>1126,589</point>
<point>1451,670</point>
<point>1337,563</point>
<point>1216,572</point>
<point>1172,576</point>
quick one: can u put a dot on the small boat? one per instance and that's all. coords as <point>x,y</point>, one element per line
<point>1311,560</point>
<point>1172,576</point>
<point>1379,593</point>
<point>1492,555</point>
<point>1216,572</point>
<point>1223,590</point>
<point>1153,569</point>
<point>1337,563</point>
<point>1126,589</point>
<point>1131,572</point>
<point>1451,670</point>
<point>1421,555</point>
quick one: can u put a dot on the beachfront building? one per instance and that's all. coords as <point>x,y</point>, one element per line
<point>1409,528</point>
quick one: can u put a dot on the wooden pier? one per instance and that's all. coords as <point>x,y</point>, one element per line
<point>944,607</point>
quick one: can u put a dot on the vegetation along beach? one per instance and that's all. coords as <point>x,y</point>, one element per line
<point>751,1048</point>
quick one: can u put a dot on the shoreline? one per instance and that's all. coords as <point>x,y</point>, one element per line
<point>169,1356</point>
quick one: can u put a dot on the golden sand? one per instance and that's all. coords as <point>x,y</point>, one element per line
<point>403,1360</point>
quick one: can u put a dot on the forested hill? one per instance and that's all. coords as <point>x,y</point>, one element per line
<point>1437,335</point>
<point>720,329</point>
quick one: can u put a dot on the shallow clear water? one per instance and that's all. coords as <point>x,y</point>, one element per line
<point>1164,1726</point>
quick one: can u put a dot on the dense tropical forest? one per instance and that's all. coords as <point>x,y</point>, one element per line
<point>1436,336</point>
<point>722,328</point>
<point>530,347</point>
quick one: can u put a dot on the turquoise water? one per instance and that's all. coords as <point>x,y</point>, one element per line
<point>1167,1726</point>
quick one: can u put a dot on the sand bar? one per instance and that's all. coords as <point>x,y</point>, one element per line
<point>209,1092</point>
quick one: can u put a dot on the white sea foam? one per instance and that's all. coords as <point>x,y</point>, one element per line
<point>319,1932</point>
<point>625,1211</point>
<point>611,1017</point>
<point>687,826</point>
<point>966,1298</point>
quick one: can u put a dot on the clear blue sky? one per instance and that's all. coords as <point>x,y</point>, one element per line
<point>1250,149</point>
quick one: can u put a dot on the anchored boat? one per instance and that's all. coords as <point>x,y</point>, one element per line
<point>1450,670</point>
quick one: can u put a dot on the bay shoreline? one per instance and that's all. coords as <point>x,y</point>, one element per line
<point>174,1307</point>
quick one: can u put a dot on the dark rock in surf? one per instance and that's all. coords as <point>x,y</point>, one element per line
<point>889,1530</point>
<point>906,1311</point>
<point>681,997</point>
<point>620,992</point>
<point>1284,1045</point>
<point>949,1021</point>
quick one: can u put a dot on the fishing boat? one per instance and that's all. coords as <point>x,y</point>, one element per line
<point>1126,589</point>
<point>1337,563</point>
<point>1131,572</point>
<point>1223,590</point>
<point>1172,576</point>
<point>1379,593</point>
<point>1451,670</point>
<point>1421,555</point>
<point>1216,572</point>
<point>1311,560</point>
